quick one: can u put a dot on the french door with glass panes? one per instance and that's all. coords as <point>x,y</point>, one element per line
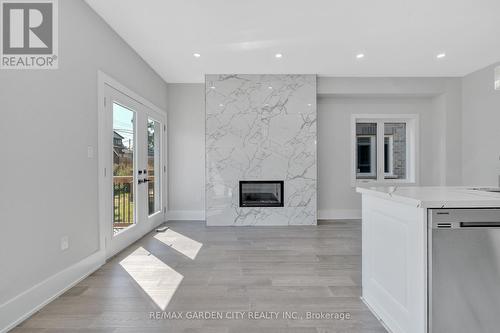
<point>135,155</point>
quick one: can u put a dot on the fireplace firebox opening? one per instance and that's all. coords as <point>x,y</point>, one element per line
<point>261,193</point>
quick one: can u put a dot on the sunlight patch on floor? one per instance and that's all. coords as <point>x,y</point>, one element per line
<point>183,244</point>
<point>156,278</point>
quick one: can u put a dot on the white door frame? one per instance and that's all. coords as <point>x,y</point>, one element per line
<point>104,173</point>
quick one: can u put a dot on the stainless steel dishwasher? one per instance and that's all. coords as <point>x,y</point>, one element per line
<point>464,270</point>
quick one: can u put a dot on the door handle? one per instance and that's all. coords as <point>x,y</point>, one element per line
<point>146,180</point>
<point>140,181</point>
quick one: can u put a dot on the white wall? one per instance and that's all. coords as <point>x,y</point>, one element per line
<point>49,118</point>
<point>337,198</point>
<point>445,147</point>
<point>436,101</point>
<point>481,128</point>
<point>186,151</point>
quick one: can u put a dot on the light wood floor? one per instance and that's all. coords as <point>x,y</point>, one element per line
<point>224,269</point>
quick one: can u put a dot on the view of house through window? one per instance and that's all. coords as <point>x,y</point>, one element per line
<point>388,145</point>
<point>395,150</point>
<point>393,145</point>
<point>123,168</point>
<point>366,140</point>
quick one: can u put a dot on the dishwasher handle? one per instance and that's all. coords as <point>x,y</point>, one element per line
<point>480,225</point>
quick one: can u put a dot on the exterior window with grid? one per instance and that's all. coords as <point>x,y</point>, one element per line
<point>384,148</point>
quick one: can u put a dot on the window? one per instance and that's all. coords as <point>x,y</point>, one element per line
<point>366,154</point>
<point>388,153</point>
<point>384,148</point>
<point>123,167</point>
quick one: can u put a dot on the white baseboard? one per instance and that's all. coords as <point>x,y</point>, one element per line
<point>22,306</point>
<point>194,215</point>
<point>339,214</point>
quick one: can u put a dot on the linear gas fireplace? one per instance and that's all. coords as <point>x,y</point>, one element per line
<point>261,193</point>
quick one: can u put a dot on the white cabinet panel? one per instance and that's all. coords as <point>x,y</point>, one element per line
<point>394,263</point>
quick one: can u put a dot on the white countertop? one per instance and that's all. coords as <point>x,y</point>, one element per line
<point>435,197</point>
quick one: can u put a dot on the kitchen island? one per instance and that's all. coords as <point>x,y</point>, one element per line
<point>395,248</point>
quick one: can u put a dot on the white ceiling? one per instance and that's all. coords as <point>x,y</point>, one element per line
<point>398,37</point>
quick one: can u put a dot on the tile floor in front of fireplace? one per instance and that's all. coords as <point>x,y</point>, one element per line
<point>225,271</point>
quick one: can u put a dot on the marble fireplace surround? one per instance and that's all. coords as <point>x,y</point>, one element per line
<point>260,127</point>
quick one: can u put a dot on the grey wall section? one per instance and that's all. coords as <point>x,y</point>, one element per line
<point>436,100</point>
<point>186,151</point>
<point>49,118</point>
<point>336,196</point>
<point>481,128</point>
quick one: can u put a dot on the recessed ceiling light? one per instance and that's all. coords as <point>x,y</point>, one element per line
<point>269,87</point>
<point>441,55</point>
<point>221,105</point>
<point>278,55</point>
<point>196,55</point>
<point>309,104</point>
<point>360,56</point>
<point>212,87</point>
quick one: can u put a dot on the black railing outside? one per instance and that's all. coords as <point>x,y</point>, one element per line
<point>123,203</point>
